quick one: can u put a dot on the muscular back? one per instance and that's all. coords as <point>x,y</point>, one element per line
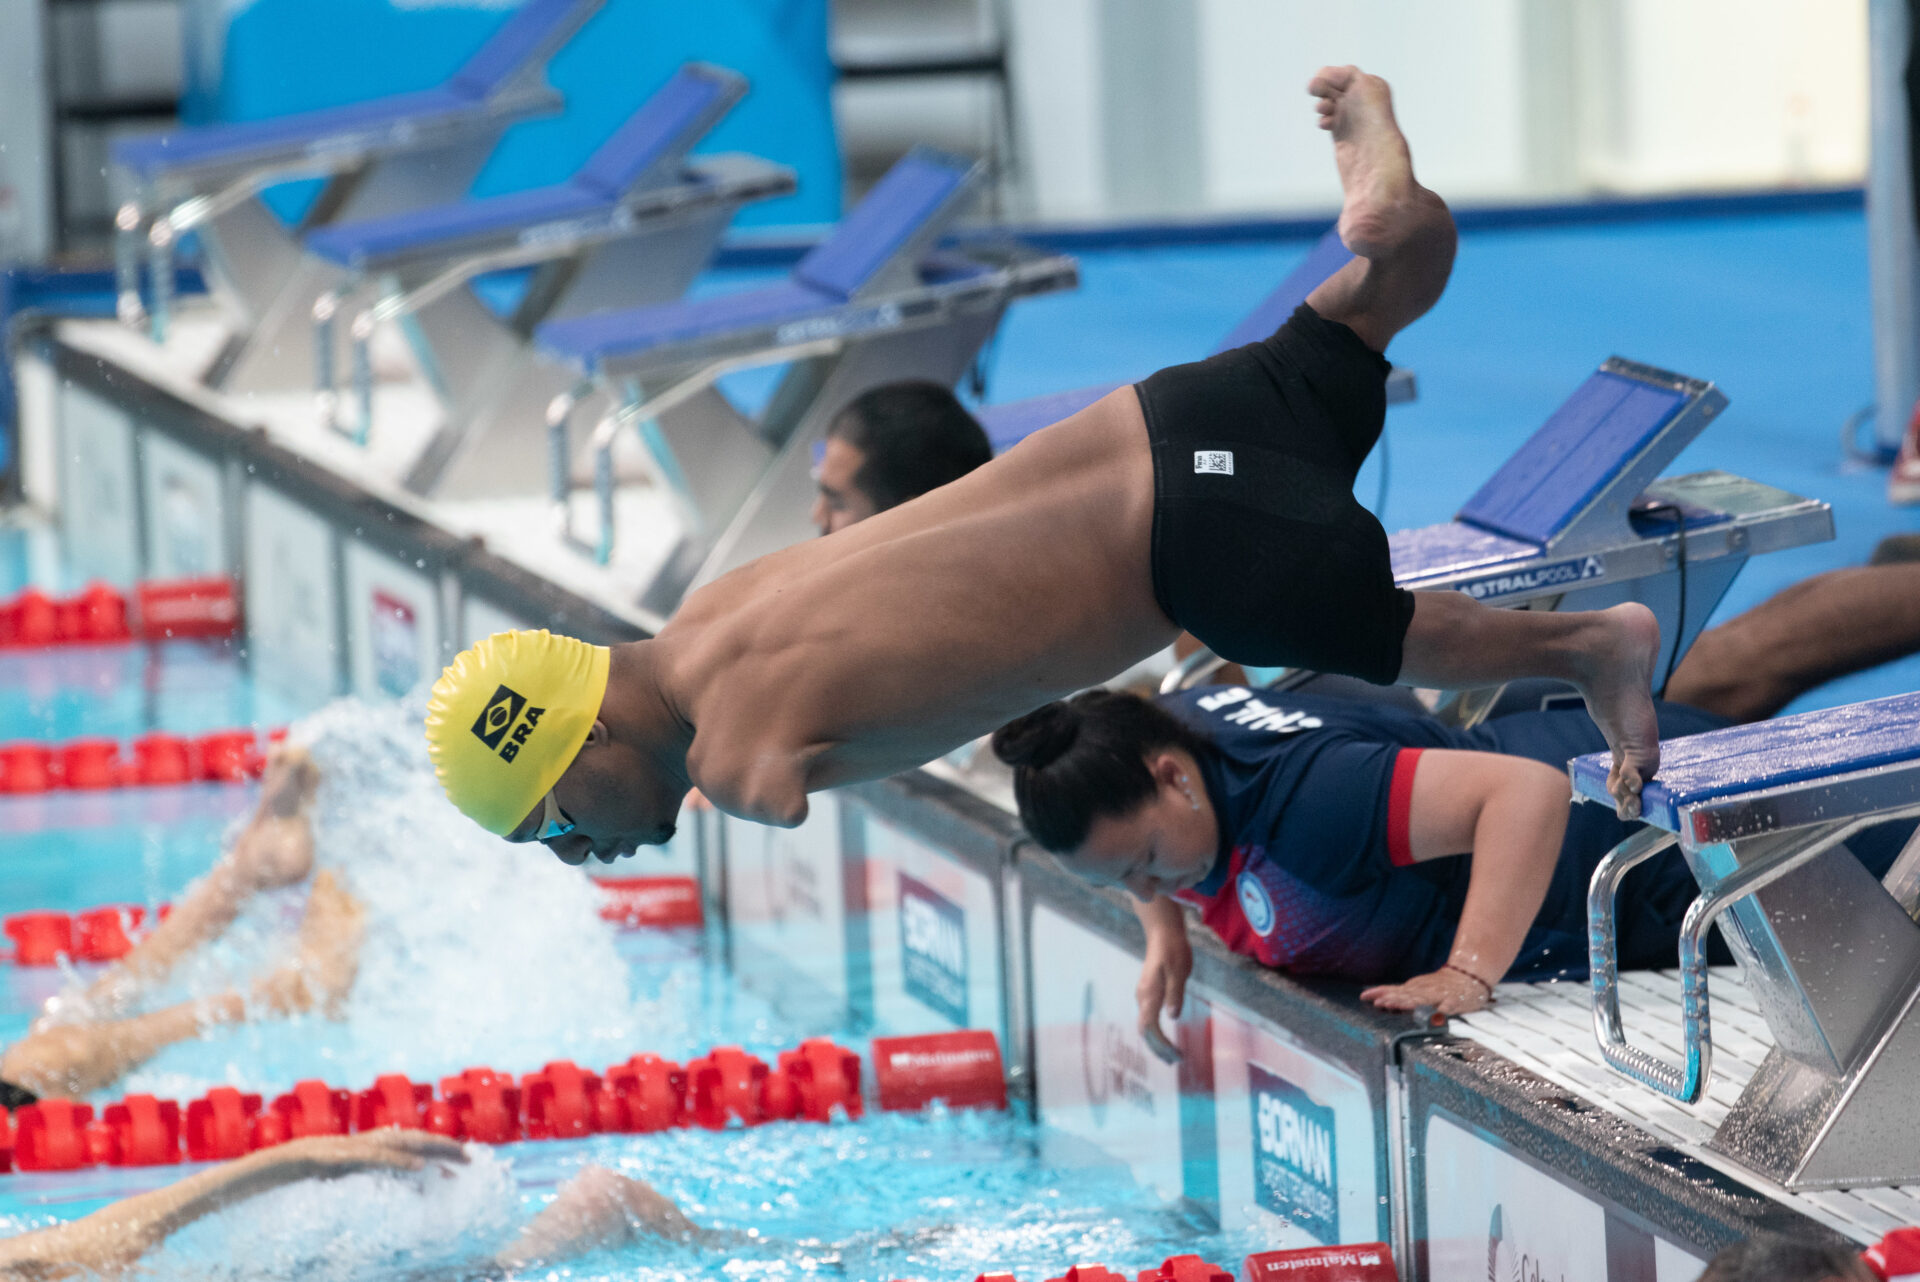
<point>878,648</point>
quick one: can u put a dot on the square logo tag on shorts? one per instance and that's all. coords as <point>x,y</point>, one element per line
<point>1213,462</point>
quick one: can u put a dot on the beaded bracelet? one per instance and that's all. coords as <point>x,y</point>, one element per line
<point>1485,987</point>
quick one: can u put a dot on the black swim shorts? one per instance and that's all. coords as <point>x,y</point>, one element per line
<point>1259,547</point>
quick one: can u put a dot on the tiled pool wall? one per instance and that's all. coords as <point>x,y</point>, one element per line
<point>916,905</point>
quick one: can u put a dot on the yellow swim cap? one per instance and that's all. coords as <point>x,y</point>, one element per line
<point>508,717</point>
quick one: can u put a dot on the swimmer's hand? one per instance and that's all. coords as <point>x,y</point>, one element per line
<point>1163,973</point>
<point>1445,992</point>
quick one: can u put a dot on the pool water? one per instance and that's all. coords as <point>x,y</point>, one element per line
<point>480,953</point>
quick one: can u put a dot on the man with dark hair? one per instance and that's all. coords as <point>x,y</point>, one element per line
<point>892,444</point>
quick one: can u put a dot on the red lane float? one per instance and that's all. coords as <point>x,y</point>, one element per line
<point>560,1101</point>
<point>106,933</point>
<point>156,760</point>
<point>109,932</point>
<point>202,608</point>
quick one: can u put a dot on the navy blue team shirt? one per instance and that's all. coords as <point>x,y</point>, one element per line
<point>1314,874</point>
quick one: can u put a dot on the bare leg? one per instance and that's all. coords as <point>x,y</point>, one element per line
<point>1827,626</point>
<point>275,849</point>
<point>597,1208</point>
<point>1456,643</point>
<point>1402,234</point>
<point>72,1060</point>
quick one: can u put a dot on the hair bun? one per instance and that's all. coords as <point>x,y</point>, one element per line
<point>1038,739</point>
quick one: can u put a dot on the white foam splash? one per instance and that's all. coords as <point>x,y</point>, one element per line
<point>477,952</point>
<point>371,1224</point>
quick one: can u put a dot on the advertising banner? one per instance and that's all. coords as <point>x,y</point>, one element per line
<point>1495,1217</point>
<point>392,624</point>
<point>186,511</point>
<point>933,942</point>
<point>99,506</point>
<point>1297,1137</point>
<point>292,608</point>
<point>1095,1078</point>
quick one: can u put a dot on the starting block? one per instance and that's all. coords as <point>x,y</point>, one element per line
<point>871,304</point>
<point>1007,425</point>
<point>377,157</point>
<point>1762,814</point>
<point>635,224</point>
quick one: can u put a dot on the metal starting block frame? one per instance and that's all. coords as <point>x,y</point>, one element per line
<point>1579,519</point>
<point>874,303</point>
<point>1762,814</point>
<point>635,224</point>
<point>377,158</point>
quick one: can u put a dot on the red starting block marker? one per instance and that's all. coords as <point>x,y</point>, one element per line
<point>1090,1273</point>
<point>1364,1262</point>
<point>964,1069</point>
<point>637,903</point>
<point>205,608</point>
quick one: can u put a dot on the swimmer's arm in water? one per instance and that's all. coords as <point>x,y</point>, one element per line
<point>1163,971</point>
<point>599,1208</point>
<point>1511,814</point>
<point>113,1239</point>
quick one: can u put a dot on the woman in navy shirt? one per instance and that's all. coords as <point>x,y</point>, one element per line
<point>1322,836</point>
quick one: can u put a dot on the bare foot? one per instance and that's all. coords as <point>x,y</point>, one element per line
<point>322,974</point>
<point>1376,169</point>
<point>1621,659</point>
<point>276,848</point>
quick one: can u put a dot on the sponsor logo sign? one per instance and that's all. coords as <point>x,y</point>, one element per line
<point>1540,578</point>
<point>1295,1162</point>
<point>1114,1060</point>
<point>394,631</point>
<point>933,949</point>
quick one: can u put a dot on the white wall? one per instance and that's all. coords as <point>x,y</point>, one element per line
<point>1503,100</point>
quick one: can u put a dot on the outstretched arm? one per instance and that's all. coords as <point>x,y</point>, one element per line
<point>274,849</point>
<point>1511,814</point>
<point>115,1237</point>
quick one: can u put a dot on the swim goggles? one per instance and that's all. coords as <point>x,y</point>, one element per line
<point>554,822</point>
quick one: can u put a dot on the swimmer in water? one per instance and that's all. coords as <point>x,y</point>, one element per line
<point>1214,497</point>
<point>76,1048</point>
<point>594,1210</point>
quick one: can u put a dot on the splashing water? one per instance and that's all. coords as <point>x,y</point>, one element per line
<point>372,1224</point>
<point>477,952</point>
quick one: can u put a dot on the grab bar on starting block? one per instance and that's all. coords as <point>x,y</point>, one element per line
<point>1683,1082</point>
<point>641,414</point>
